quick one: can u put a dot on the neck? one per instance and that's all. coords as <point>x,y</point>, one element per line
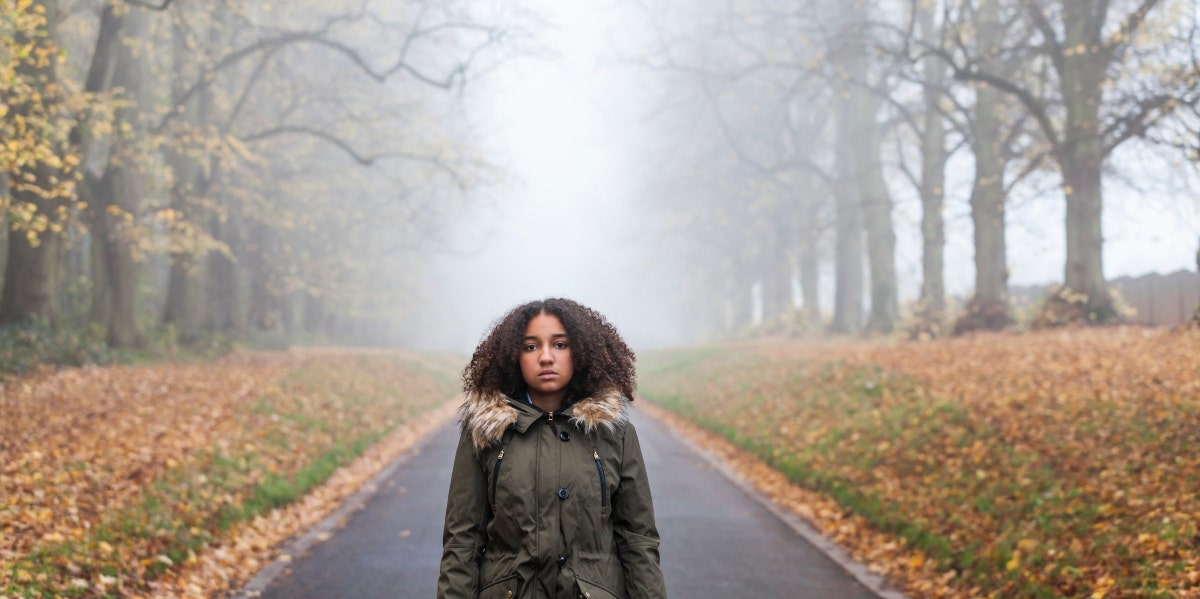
<point>550,403</point>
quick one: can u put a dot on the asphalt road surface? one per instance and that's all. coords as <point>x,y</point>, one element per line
<point>717,541</point>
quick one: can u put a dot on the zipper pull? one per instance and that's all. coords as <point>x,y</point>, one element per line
<point>596,455</point>
<point>500,456</point>
<point>550,417</point>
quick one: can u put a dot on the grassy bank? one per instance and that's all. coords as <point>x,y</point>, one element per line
<point>113,478</point>
<point>1040,465</point>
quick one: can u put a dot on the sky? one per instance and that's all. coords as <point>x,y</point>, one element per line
<point>569,127</point>
<point>565,224</point>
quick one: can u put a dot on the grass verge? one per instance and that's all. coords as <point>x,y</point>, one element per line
<point>228,443</point>
<point>1047,465</point>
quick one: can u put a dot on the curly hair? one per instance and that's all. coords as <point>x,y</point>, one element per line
<point>598,353</point>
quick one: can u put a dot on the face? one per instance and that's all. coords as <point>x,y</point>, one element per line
<point>546,362</point>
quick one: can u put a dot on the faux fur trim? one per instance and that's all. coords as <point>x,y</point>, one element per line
<point>488,415</point>
<point>606,409</point>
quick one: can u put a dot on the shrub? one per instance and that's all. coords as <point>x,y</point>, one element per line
<point>36,342</point>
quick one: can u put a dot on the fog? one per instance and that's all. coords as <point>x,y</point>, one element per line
<point>568,219</point>
<point>574,130</point>
<point>403,173</point>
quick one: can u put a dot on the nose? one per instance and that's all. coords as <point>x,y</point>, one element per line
<point>545,357</point>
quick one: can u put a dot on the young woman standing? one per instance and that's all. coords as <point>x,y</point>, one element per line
<point>549,496</point>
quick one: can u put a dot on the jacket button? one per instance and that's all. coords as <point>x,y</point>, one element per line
<point>565,436</point>
<point>562,561</point>
<point>563,493</point>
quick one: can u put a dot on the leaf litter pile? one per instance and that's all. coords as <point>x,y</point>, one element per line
<point>165,480</point>
<point>1062,463</point>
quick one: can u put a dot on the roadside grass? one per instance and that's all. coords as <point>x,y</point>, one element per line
<point>1040,465</point>
<point>262,433</point>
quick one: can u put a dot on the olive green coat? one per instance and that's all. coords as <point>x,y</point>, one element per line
<point>549,505</point>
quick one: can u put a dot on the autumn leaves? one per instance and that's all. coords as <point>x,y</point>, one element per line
<point>1052,464</point>
<point>129,481</point>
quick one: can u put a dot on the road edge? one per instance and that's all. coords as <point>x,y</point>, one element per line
<point>297,546</point>
<point>873,582</point>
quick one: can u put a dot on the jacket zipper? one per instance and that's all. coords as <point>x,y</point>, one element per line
<point>550,421</point>
<point>603,485</point>
<point>496,474</point>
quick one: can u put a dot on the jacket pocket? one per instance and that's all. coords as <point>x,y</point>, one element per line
<point>496,474</point>
<point>591,590</point>
<point>603,480</point>
<point>505,588</point>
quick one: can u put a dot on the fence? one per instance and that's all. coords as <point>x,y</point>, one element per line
<point>1160,300</point>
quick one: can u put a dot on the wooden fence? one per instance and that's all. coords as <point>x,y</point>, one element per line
<point>1160,300</point>
<point>1157,300</point>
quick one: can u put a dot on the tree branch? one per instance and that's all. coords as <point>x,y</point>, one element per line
<point>1053,47</point>
<point>1035,106</point>
<point>141,3</point>
<point>1129,28</point>
<point>362,159</point>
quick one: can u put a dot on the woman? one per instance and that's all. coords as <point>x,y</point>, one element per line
<point>549,495</point>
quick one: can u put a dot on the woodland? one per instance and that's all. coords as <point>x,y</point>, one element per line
<point>176,171</point>
<point>819,118</point>
<point>176,174</point>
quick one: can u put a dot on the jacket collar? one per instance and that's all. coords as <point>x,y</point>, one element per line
<point>487,415</point>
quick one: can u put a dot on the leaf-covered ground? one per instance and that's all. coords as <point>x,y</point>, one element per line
<point>164,480</point>
<point>1056,464</point>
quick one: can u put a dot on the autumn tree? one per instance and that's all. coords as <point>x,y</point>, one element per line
<point>210,168</point>
<point>35,163</point>
<point>1102,97</point>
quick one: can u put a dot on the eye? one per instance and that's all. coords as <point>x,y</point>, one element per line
<point>560,345</point>
<point>530,347</point>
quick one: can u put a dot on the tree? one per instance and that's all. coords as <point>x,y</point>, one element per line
<point>1100,102</point>
<point>36,168</point>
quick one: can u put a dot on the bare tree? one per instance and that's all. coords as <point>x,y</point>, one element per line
<point>1100,102</point>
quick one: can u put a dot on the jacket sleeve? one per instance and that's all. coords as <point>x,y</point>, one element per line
<point>465,533</point>
<point>633,524</point>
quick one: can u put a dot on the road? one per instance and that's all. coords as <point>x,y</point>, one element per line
<point>717,541</point>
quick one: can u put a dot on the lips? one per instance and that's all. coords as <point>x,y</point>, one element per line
<point>547,374</point>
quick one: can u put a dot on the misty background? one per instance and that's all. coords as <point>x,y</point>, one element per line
<point>403,173</point>
<point>576,130</point>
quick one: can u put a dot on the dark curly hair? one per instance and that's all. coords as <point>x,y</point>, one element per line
<point>599,355</point>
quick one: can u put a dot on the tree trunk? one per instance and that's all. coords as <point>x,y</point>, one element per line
<point>120,189</point>
<point>4,202</point>
<point>848,261</point>
<point>988,309</point>
<point>30,274</point>
<point>848,228</point>
<point>263,306</point>
<point>225,294</point>
<point>101,275</point>
<point>933,176</point>
<point>776,268</point>
<point>881,231</point>
<point>191,181</point>
<point>1081,158</point>
<point>810,264</point>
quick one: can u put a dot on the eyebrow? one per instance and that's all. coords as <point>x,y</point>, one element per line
<point>554,336</point>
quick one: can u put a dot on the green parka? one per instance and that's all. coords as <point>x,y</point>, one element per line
<point>549,505</point>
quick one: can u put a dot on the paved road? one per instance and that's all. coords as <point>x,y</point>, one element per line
<point>717,541</point>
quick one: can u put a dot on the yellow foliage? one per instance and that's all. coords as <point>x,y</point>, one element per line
<point>1071,450</point>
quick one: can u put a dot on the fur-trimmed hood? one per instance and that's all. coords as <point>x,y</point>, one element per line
<point>487,415</point>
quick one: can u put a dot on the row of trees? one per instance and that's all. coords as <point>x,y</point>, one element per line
<point>792,128</point>
<point>224,166</point>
